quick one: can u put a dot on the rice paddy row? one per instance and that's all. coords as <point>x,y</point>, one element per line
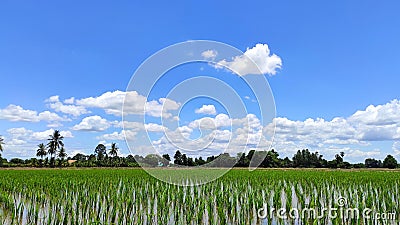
<point>131,196</point>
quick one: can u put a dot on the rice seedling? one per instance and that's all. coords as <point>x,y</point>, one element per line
<point>131,196</point>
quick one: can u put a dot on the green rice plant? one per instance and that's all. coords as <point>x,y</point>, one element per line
<point>131,196</point>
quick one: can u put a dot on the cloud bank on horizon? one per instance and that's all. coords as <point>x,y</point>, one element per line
<point>356,134</point>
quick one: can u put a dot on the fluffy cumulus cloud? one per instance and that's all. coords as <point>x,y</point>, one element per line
<point>364,127</point>
<point>161,107</point>
<point>356,134</point>
<point>128,134</point>
<point>21,142</point>
<point>256,60</point>
<point>206,109</point>
<point>44,135</point>
<point>21,135</point>
<point>218,134</point>
<point>209,54</point>
<point>153,127</point>
<point>92,123</point>
<point>380,115</point>
<point>17,113</point>
<point>396,148</point>
<point>130,102</point>
<point>220,120</point>
<point>112,102</point>
<point>74,110</point>
<point>70,100</point>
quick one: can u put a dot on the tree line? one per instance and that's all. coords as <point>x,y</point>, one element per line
<point>103,157</point>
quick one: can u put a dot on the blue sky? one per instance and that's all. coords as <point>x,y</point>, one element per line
<point>338,58</point>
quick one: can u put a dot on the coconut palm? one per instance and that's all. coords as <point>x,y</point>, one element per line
<point>62,154</point>
<point>113,150</point>
<point>1,144</point>
<point>41,151</point>
<point>55,143</point>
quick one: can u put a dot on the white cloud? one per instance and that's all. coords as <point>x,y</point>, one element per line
<point>256,60</point>
<point>112,136</point>
<point>356,153</point>
<point>185,131</point>
<point>396,148</point>
<point>19,133</point>
<point>220,120</point>
<point>153,127</point>
<point>374,124</point>
<point>112,102</point>
<point>17,113</point>
<point>50,116</point>
<point>132,103</point>
<point>75,110</point>
<point>128,134</point>
<point>22,142</point>
<point>22,135</point>
<point>69,100</point>
<point>92,123</point>
<point>380,115</point>
<point>209,54</point>
<point>44,135</point>
<point>313,133</point>
<point>161,107</point>
<point>54,98</point>
<point>130,125</point>
<point>206,109</point>
<point>247,135</point>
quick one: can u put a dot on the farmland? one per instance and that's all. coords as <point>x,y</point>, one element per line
<point>131,196</point>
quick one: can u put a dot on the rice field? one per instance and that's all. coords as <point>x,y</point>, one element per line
<point>131,196</point>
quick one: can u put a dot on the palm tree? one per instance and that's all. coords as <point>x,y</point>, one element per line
<point>41,151</point>
<point>55,143</point>
<point>62,154</point>
<point>1,145</point>
<point>114,150</point>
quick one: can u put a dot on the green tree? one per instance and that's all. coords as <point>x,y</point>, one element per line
<point>62,154</point>
<point>271,159</point>
<point>223,160</point>
<point>373,163</point>
<point>1,143</point>
<point>184,160</point>
<point>153,160</point>
<point>41,151</point>
<point>55,143</point>
<point>178,158</point>
<point>191,162</point>
<point>166,156</point>
<point>113,150</point>
<point>200,161</point>
<point>1,148</point>
<point>306,159</point>
<point>100,151</point>
<point>286,163</point>
<point>390,162</point>
<point>243,161</point>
